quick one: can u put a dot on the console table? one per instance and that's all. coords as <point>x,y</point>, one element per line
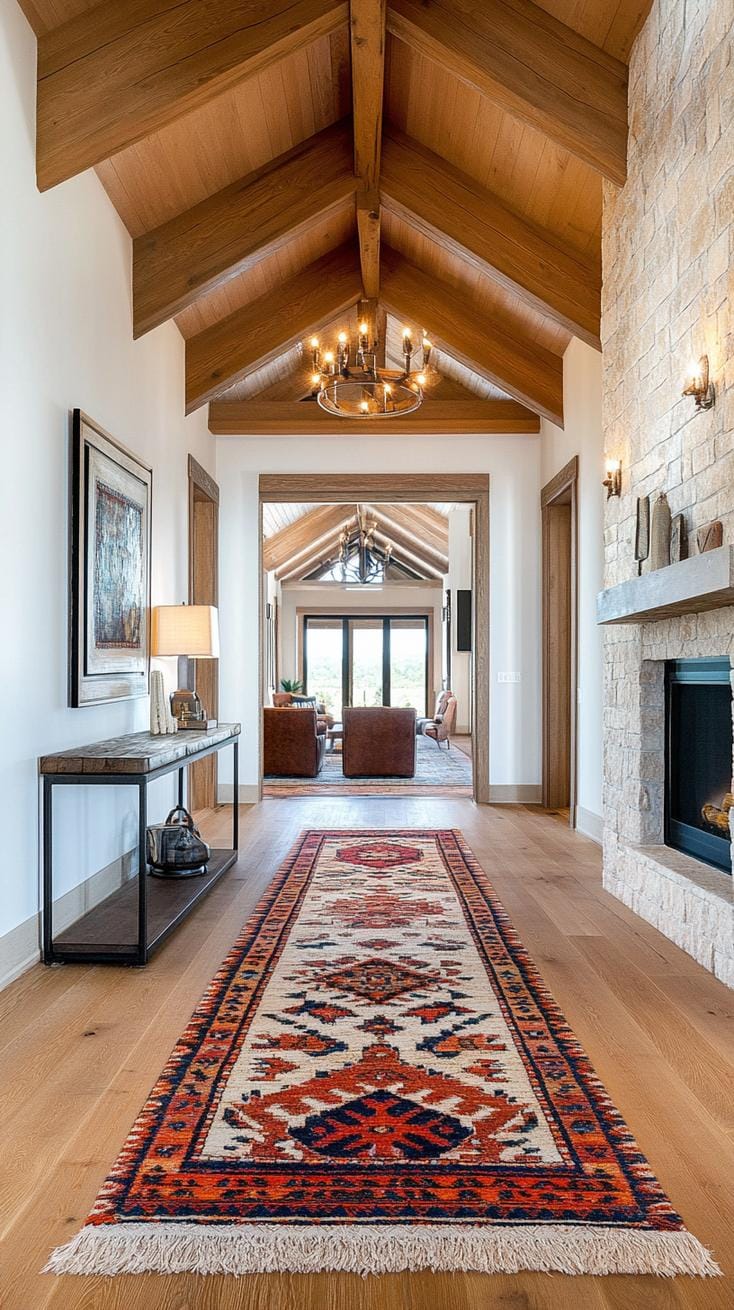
<point>127,925</point>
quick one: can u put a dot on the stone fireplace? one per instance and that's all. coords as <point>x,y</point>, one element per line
<point>687,899</point>
<point>668,247</point>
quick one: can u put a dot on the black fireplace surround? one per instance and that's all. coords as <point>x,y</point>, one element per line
<point>698,764</point>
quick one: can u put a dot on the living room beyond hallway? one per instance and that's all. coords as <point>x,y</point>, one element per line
<point>367,642</point>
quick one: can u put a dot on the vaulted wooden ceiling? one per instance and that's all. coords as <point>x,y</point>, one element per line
<point>285,165</point>
<point>419,535</point>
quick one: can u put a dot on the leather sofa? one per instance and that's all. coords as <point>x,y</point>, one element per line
<point>293,746</point>
<point>379,742</point>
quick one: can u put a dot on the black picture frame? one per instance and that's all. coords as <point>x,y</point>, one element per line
<point>107,479</point>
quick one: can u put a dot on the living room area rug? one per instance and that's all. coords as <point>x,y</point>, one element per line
<point>438,772</point>
<point>378,1080</point>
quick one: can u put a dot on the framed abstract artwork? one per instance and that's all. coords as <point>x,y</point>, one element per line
<point>110,568</point>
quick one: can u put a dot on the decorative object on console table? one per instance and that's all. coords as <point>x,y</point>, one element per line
<point>189,632</point>
<point>710,536</point>
<point>642,531</point>
<point>678,539</point>
<point>162,721</point>
<point>110,568</point>
<point>660,534</point>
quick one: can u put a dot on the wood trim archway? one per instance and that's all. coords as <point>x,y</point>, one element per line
<point>204,590</point>
<point>559,514</point>
<point>467,488</point>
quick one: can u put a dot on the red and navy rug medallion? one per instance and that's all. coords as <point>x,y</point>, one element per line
<point>377,1079</point>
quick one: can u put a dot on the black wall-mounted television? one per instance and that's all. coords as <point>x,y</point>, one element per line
<point>463,620</point>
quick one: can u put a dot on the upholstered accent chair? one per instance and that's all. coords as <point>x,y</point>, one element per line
<point>293,745</point>
<point>379,742</point>
<point>444,723</point>
<point>441,700</point>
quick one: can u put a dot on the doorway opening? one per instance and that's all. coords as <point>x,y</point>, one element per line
<point>361,576</point>
<point>559,581</point>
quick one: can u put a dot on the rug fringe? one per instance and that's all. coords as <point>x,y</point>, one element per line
<point>369,1249</point>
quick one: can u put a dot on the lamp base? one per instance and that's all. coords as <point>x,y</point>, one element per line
<point>187,709</point>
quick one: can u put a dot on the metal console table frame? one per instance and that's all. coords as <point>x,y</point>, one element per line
<point>161,903</point>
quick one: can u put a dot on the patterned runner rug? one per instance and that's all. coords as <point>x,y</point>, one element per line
<point>377,1080</point>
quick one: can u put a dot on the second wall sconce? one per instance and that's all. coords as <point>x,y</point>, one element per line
<point>613,479</point>
<point>699,385</point>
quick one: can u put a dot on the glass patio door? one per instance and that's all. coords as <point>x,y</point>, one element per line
<point>324,662</point>
<point>366,641</point>
<point>408,656</point>
<point>375,660</point>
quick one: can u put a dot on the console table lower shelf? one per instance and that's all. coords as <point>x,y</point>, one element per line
<point>137,916</point>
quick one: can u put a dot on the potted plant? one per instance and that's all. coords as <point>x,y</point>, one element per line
<point>291,687</point>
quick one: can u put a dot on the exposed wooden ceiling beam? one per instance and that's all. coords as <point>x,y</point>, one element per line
<point>412,545</point>
<point>367,28</point>
<point>407,518</point>
<point>303,533</point>
<point>531,65</point>
<point>453,210</point>
<point>411,553</point>
<point>248,338</point>
<point>507,358</point>
<point>451,417</point>
<point>296,570</point>
<point>126,68</point>
<point>230,231</point>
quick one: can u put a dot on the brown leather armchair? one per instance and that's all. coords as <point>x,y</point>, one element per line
<point>379,742</point>
<point>293,748</point>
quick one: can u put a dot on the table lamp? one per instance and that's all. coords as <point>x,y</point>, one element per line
<point>191,632</point>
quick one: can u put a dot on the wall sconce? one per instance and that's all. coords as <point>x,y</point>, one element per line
<point>699,385</point>
<point>613,480</point>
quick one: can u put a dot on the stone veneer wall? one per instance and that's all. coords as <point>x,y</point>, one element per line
<point>668,248</point>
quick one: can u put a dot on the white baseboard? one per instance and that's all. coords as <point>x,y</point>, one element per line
<point>20,948</point>
<point>249,793</point>
<point>515,793</point>
<point>590,824</point>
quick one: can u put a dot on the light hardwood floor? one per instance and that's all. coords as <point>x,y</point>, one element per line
<point>81,1047</point>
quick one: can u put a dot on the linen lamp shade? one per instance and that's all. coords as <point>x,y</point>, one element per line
<point>188,630</point>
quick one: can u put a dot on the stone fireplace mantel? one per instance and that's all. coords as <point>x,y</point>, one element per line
<point>703,582</point>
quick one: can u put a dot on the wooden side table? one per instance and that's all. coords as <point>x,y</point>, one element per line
<point>127,925</point>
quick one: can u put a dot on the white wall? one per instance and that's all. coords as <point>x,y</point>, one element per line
<point>582,436</point>
<point>66,341</point>
<point>513,463</point>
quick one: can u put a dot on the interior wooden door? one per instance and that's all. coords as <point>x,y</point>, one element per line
<point>558,508</point>
<point>204,590</point>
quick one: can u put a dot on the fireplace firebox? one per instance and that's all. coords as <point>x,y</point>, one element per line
<point>698,774</point>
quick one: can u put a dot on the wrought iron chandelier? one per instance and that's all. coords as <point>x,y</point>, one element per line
<point>359,558</point>
<point>348,383</point>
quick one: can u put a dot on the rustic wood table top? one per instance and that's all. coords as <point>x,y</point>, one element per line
<point>137,752</point>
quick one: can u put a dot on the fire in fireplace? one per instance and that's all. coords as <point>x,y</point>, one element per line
<point>698,774</point>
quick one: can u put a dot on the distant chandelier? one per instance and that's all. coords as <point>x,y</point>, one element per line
<point>358,556</point>
<point>357,388</point>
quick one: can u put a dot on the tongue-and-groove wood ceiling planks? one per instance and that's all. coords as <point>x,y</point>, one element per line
<point>252,153</point>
